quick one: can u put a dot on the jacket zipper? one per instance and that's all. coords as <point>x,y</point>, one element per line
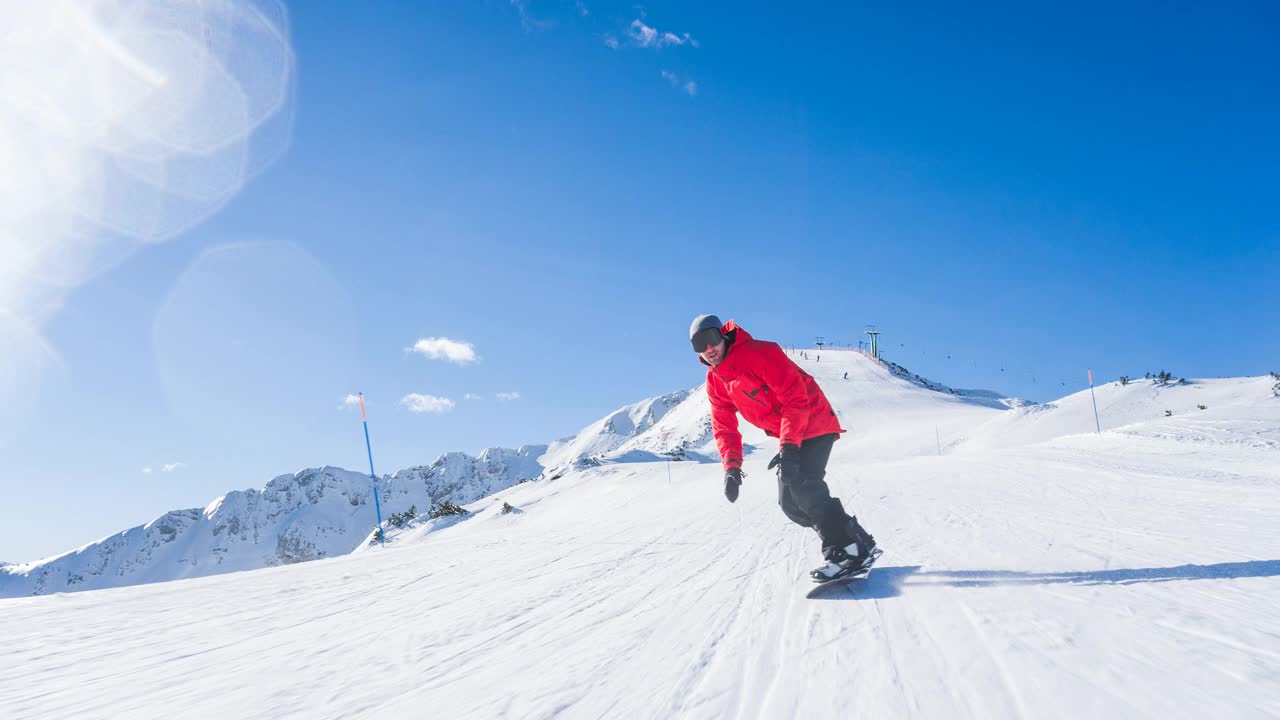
<point>753,397</point>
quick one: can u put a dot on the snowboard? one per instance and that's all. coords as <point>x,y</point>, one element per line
<point>848,581</point>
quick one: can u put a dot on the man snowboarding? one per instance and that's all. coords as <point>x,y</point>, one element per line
<point>755,378</point>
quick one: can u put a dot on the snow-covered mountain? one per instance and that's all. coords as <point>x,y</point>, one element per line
<point>1033,568</point>
<point>890,412</point>
<point>308,515</point>
<point>668,426</point>
<point>328,511</point>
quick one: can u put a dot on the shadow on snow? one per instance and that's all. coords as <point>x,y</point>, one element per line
<point>890,581</point>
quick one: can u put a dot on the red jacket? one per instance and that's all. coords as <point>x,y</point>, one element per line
<point>758,380</point>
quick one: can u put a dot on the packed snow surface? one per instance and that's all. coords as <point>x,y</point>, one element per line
<point>1033,568</point>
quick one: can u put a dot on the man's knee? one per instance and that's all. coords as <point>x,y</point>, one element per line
<point>795,516</point>
<point>790,509</point>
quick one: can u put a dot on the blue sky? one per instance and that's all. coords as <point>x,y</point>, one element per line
<point>1011,194</point>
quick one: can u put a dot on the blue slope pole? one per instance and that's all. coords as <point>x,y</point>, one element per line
<point>1096,424</point>
<point>377,504</point>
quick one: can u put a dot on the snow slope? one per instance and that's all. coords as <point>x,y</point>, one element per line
<point>1127,574</point>
<point>1144,407</point>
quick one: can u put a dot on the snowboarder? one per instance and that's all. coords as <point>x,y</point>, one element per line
<point>755,378</point>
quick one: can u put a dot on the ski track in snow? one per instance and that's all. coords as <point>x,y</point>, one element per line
<point>1128,574</point>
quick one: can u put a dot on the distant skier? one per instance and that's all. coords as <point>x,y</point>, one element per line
<point>755,378</point>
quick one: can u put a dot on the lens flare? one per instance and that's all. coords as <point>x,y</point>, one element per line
<point>122,123</point>
<point>254,329</point>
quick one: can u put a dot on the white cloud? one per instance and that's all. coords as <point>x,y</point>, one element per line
<point>419,403</point>
<point>508,396</point>
<point>350,402</point>
<point>455,351</point>
<point>688,86</point>
<point>472,396</point>
<point>611,41</point>
<point>170,467</point>
<point>146,471</point>
<point>646,36</point>
<point>642,34</point>
<point>583,9</point>
<point>528,21</point>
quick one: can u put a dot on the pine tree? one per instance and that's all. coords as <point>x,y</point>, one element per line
<point>444,509</point>
<point>404,518</point>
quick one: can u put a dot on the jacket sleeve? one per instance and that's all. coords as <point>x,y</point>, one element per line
<point>724,424</point>
<point>786,382</point>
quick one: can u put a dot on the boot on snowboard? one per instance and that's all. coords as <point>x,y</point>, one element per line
<point>853,559</point>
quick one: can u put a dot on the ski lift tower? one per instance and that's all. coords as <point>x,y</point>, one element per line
<point>873,332</point>
<point>819,341</point>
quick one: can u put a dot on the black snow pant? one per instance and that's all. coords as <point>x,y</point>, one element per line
<point>807,500</point>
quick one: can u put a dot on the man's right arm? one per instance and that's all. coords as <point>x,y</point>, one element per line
<point>724,424</point>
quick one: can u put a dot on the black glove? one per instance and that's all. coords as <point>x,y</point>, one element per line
<point>788,462</point>
<point>732,479</point>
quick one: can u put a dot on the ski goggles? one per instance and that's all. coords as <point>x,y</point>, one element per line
<point>705,338</point>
